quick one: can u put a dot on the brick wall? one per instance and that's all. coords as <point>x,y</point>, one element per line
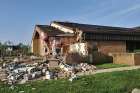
<point>123,58</point>
<point>36,46</point>
<point>126,58</point>
<point>137,58</point>
<point>111,46</point>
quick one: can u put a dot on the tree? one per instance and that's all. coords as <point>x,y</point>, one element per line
<point>25,49</point>
<point>8,43</point>
<point>0,45</point>
<point>0,48</point>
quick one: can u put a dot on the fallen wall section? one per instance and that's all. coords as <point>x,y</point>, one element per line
<point>80,48</point>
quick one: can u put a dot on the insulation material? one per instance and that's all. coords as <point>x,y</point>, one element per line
<point>80,48</point>
<point>56,47</point>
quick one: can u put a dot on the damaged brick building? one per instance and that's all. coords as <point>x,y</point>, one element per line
<point>64,37</point>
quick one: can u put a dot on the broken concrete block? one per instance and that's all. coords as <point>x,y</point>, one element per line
<point>135,90</point>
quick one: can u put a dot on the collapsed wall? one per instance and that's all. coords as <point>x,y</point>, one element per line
<point>80,48</point>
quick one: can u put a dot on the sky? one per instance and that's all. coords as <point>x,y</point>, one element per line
<point>19,17</point>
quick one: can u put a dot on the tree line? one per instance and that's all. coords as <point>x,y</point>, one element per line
<point>8,48</point>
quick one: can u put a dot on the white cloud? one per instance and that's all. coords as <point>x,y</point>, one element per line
<point>124,11</point>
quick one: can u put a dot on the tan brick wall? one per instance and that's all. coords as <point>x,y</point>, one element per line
<point>111,46</point>
<point>126,58</point>
<point>123,58</point>
<point>35,46</point>
<point>42,50</point>
<point>137,59</point>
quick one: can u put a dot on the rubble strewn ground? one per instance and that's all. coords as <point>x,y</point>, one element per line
<point>35,69</point>
<point>26,69</point>
<point>136,90</point>
<point>3,74</point>
<point>22,70</point>
<point>113,82</point>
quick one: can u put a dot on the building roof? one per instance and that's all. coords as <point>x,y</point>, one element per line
<point>51,31</point>
<point>138,27</point>
<point>65,35</point>
<point>87,28</point>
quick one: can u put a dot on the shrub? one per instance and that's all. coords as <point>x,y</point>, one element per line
<point>73,58</point>
<point>100,58</point>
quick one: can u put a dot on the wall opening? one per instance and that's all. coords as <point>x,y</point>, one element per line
<point>132,46</point>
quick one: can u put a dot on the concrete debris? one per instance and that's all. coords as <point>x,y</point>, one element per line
<point>21,91</point>
<point>12,87</point>
<point>76,68</point>
<point>86,67</point>
<point>16,59</point>
<point>66,67</point>
<point>3,75</point>
<point>22,72</point>
<point>73,76</point>
<point>33,88</point>
<point>48,75</point>
<point>135,90</point>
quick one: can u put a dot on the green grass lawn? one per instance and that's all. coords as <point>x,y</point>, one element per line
<point>114,82</point>
<point>110,65</point>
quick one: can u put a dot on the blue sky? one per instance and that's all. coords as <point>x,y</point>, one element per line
<point>18,17</point>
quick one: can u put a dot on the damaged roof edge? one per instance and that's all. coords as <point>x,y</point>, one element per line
<point>51,31</point>
<point>57,22</point>
<point>65,35</point>
<point>92,28</point>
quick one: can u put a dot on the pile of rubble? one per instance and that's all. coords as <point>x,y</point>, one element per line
<point>3,75</point>
<point>82,67</point>
<point>86,67</point>
<point>17,72</point>
<point>71,70</point>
